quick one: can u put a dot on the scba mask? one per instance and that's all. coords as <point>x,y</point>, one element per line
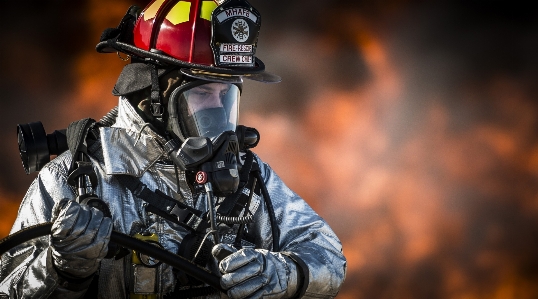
<point>203,109</point>
<point>203,115</point>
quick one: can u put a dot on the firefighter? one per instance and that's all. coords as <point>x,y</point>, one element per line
<point>173,141</point>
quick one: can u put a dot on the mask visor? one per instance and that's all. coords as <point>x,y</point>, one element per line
<point>209,109</point>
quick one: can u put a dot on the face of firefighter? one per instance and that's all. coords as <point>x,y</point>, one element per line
<point>206,109</point>
<point>206,96</point>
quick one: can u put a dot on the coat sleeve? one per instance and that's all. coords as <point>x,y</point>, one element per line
<point>307,239</point>
<point>26,271</point>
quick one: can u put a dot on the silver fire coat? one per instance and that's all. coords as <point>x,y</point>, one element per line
<point>129,147</point>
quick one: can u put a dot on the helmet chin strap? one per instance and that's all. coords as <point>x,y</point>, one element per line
<point>157,109</point>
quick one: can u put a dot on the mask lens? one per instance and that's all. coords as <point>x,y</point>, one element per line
<point>208,110</point>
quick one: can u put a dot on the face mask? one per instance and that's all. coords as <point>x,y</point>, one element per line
<point>201,109</point>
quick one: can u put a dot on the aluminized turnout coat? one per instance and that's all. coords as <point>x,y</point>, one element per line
<point>129,147</point>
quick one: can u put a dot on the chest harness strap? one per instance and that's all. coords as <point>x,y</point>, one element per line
<point>164,205</point>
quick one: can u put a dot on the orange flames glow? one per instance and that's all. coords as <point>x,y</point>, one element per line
<point>9,205</point>
<point>97,73</point>
<point>404,193</point>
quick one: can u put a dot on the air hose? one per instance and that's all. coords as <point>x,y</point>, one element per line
<point>126,241</point>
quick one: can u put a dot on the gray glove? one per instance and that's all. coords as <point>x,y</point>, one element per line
<point>256,273</point>
<point>80,236</point>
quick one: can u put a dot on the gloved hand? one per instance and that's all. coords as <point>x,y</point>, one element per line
<point>256,273</point>
<point>80,236</point>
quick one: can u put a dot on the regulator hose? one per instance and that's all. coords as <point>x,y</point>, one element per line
<point>126,241</point>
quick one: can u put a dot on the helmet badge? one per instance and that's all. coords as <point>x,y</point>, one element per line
<point>235,28</point>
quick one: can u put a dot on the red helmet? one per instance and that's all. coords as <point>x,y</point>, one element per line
<point>200,37</point>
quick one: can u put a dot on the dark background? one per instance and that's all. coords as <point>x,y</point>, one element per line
<point>411,127</point>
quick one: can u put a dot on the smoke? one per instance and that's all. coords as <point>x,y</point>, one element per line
<point>423,160</point>
<point>409,127</point>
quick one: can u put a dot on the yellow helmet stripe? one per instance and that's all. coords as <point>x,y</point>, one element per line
<point>207,8</point>
<point>151,12</point>
<point>179,13</point>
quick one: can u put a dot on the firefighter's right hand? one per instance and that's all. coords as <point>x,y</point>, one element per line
<point>80,236</point>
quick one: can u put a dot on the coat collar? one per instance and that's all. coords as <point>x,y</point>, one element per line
<point>130,146</point>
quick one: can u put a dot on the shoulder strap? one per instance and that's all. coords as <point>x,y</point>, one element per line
<point>77,134</point>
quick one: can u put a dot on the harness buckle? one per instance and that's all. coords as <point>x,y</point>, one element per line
<point>181,214</point>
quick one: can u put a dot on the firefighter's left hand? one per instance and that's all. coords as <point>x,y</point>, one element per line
<point>257,273</point>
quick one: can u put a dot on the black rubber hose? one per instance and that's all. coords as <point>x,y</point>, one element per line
<point>24,235</point>
<point>124,240</point>
<point>274,226</point>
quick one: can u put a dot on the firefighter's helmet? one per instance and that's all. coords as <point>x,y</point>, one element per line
<point>203,38</point>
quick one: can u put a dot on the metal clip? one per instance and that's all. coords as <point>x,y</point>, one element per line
<point>181,214</point>
<point>123,59</point>
<point>157,109</point>
<point>171,146</point>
